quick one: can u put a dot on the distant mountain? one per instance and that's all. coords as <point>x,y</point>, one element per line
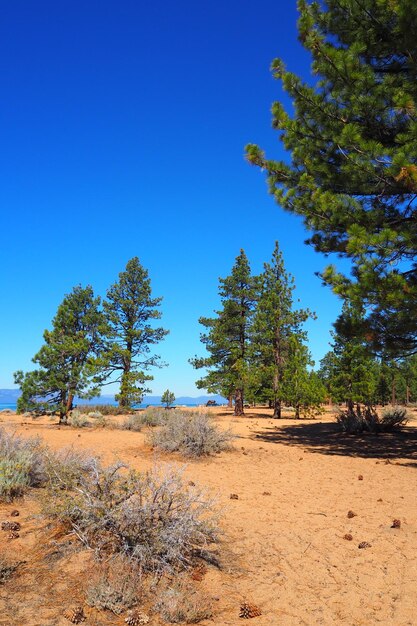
<point>10,396</point>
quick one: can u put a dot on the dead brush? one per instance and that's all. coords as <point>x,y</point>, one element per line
<point>153,518</point>
<point>191,434</point>
<point>115,585</point>
<point>182,601</point>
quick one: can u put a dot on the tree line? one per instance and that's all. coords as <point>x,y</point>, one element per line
<point>256,342</point>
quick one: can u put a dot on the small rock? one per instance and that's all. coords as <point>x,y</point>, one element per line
<point>348,537</point>
<point>266,493</point>
<point>351,514</point>
<point>360,477</point>
<point>14,513</point>
<point>191,483</point>
<point>234,496</point>
<point>396,523</point>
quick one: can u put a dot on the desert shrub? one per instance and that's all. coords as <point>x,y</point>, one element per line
<point>104,409</point>
<point>95,414</point>
<point>76,419</point>
<point>393,417</point>
<point>152,518</point>
<point>133,422</point>
<point>65,468</point>
<point>365,419</point>
<point>7,568</point>
<point>152,416</point>
<point>183,602</point>
<point>21,465</point>
<point>192,434</point>
<point>115,585</point>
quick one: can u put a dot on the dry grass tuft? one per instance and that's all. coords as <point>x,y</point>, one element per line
<point>183,602</point>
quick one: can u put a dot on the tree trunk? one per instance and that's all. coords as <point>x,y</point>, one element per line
<point>297,411</point>
<point>63,416</point>
<point>230,402</point>
<point>277,409</point>
<point>407,394</point>
<point>239,402</point>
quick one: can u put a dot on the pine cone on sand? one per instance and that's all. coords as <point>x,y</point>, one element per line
<point>396,523</point>
<point>351,514</point>
<point>14,513</point>
<point>364,544</point>
<point>75,615</point>
<point>10,526</point>
<point>13,535</point>
<point>136,618</point>
<point>248,610</point>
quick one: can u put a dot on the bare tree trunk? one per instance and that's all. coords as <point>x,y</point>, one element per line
<point>230,402</point>
<point>277,409</point>
<point>239,402</point>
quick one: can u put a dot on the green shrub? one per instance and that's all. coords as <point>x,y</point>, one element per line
<point>192,434</point>
<point>21,465</point>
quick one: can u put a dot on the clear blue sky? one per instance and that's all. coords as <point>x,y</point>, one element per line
<point>123,129</point>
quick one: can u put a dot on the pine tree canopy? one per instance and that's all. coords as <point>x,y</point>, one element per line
<point>352,139</point>
<point>68,361</point>
<point>130,310</point>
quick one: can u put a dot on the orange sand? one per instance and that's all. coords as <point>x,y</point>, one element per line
<point>284,551</point>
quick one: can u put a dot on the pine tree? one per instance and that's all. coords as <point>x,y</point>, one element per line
<point>275,323</point>
<point>168,398</point>
<point>353,167</point>
<point>354,373</point>
<point>227,335</point>
<point>130,311</point>
<point>69,363</point>
<point>301,387</point>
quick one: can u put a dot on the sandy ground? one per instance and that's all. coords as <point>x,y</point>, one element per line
<point>284,540</point>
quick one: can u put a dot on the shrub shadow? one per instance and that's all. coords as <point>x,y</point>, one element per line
<point>326,438</point>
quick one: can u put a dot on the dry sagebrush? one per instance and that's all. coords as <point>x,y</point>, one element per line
<point>115,585</point>
<point>366,419</point>
<point>154,518</point>
<point>192,434</point>
<point>182,602</point>
<point>21,465</point>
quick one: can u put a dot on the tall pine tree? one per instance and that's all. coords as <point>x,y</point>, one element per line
<point>69,362</point>
<point>131,310</point>
<point>353,168</point>
<point>275,323</point>
<point>227,335</point>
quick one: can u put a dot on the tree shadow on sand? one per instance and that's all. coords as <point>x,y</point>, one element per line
<point>326,438</point>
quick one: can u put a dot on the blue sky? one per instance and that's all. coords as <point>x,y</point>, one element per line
<point>123,128</point>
